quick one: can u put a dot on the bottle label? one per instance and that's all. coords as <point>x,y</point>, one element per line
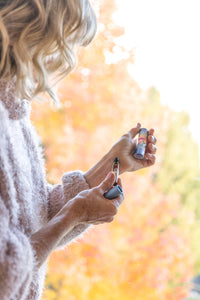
<point>142,142</point>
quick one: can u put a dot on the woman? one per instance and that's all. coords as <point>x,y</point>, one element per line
<point>38,39</point>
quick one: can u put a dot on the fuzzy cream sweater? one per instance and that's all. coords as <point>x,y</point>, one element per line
<point>27,201</point>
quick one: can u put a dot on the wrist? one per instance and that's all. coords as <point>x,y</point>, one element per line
<point>45,240</point>
<point>99,171</point>
<point>70,214</point>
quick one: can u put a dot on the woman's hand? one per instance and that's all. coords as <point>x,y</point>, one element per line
<point>125,148</point>
<point>91,207</point>
<point>88,207</point>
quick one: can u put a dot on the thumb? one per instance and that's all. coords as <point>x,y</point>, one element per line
<point>108,182</point>
<point>135,130</point>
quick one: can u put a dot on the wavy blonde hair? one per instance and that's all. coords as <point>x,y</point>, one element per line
<point>38,39</point>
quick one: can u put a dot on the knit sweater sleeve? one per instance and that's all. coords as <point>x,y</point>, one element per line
<point>58,195</point>
<point>16,254</point>
<point>16,258</point>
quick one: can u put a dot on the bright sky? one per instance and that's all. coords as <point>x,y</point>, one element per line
<point>166,37</point>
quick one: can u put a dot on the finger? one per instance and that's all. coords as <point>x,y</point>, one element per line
<point>117,201</point>
<point>119,182</point>
<point>151,131</point>
<point>107,183</point>
<point>109,220</point>
<point>151,158</point>
<point>103,220</point>
<point>133,131</point>
<point>151,148</point>
<point>152,139</point>
<point>106,220</point>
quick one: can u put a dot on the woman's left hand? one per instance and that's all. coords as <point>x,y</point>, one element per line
<point>125,148</point>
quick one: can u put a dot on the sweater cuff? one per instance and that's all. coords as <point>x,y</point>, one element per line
<point>73,183</point>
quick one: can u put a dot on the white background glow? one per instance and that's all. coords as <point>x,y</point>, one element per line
<point>166,37</point>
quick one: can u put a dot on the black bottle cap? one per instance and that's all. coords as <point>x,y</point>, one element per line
<point>116,160</point>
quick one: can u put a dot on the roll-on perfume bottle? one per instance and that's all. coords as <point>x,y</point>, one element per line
<point>142,142</point>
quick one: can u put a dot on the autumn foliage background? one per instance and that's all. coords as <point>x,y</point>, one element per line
<point>150,251</point>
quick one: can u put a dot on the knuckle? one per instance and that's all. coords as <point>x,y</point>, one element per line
<point>114,209</point>
<point>110,219</point>
<point>121,199</point>
<point>126,135</point>
<point>152,147</point>
<point>95,191</point>
<point>92,193</point>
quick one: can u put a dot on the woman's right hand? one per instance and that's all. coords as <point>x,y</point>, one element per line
<point>91,207</point>
<point>88,207</point>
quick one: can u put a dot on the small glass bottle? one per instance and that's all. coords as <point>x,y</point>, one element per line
<point>115,169</point>
<point>142,142</point>
<point>116,190</point>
